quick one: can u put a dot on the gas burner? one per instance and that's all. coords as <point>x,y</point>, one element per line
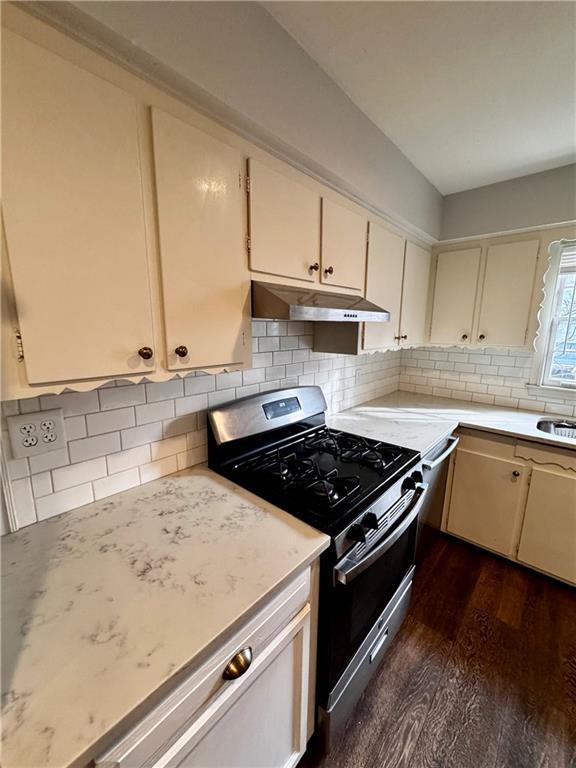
<point>322,441</point>
<point>301,468</point>
<point>330,490</point>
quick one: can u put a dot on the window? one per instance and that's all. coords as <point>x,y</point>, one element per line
<point>559,369</point>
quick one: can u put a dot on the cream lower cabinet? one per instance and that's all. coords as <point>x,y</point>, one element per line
<point>487,500</point>
<point>548,539</point>
<point>260,718</point>
<point>201,216</point>
<point>516,498</point>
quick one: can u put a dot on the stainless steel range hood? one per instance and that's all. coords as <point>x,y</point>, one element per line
<point>282,302</point>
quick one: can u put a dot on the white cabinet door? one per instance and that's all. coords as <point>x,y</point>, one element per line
<point>343,246</point>
<point>205,278</point>
<point>284,225</point>
<point>74,218</point>
<point>548,539</point>
<point>415,289</point>
<point>262,721</point>
<point>454,296</point>
<point>487,500</point>
<point>384,285</point>
<point>507,293</point>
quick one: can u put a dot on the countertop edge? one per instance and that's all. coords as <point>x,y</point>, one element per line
<point>86,759</point>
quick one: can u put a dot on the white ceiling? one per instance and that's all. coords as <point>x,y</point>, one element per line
<point>472,92</point>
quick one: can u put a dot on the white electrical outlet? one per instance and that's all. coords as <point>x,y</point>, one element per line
<point>34,433</point>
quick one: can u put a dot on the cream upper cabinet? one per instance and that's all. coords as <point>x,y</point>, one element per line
<point>284,225</point>
<point>548,539</point>
<point>74,218</point>
<point>454,296</point>
<point>507,293</point>
<point>205,278</point>
<point>487,500</point>
<point>343,246</point>
<point>417,262</point>
<point>384,272</point>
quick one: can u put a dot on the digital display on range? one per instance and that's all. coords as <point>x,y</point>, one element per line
<point>281,407</point>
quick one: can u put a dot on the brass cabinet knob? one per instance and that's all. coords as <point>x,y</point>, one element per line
<point>397,338</point>
<point>329,270</point>
<point>464,336</point>
<point>146,353</point>
<point>404,336</point>
<point>482,336</point>
<point>516,473</point>
<point>181,351</point>
<point>314,267</point>
<point>238,664</point>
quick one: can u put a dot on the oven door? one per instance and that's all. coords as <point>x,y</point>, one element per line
<point>364,582</point>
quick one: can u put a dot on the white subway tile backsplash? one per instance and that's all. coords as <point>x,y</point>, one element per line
<point>197,385</point>
<point>111,484</point>
<point>168,447</point>
<point>76,474</point>
<point>191,404</point>
<point>146,414</point>
<point>51,460</point>
<point>72,403</point>
<point>158,468</point>
<point>229,380</point>
<point>253,376</point>
<point>17,468</point>
<point>125,434</point>
<point>180,425</point>
<point>91,447</point>
<point>217,398</point>
<point>24,501</point>
<point>75,427</point>
<point>133,457</point>
<point>109,421</point>
<point>148,433</point>
<point>42,484</point>
<point>122,397</point>
<point>164,390</point>
<point>63,501</point>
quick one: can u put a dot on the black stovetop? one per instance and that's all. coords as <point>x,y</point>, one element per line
<point>324,477</point>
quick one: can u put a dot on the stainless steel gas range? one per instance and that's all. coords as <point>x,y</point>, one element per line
<point>366,495</point>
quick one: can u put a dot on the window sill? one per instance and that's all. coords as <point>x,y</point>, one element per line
<point>566,393</point>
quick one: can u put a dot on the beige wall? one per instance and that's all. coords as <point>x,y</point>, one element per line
<point>234,60</point>
<point>528,201</point>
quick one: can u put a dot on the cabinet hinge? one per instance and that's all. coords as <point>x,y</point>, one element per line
<point>239,181</point>
<point>19,345</point>
<point>248,244</point>
<point>248,185</point>
<point>243,338</point>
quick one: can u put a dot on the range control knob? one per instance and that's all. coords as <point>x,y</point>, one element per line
<point>370,521</point>
<point>417,476</point>
<point>356,533</point>
<point>409,484</point>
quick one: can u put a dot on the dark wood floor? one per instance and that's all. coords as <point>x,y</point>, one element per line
<point>482,674</point>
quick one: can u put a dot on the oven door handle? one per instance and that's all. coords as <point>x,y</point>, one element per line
<point>349,568</point>
<point>429,465</point>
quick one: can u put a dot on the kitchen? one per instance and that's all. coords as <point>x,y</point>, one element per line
<point>288,384</point>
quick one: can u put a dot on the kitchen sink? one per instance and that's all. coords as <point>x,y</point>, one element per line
<point>563,427</point>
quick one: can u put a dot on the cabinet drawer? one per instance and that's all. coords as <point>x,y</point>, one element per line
<point>206,683</point>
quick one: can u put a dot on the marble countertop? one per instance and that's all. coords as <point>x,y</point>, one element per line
<point>104,605</point>
<point>421,421</point>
